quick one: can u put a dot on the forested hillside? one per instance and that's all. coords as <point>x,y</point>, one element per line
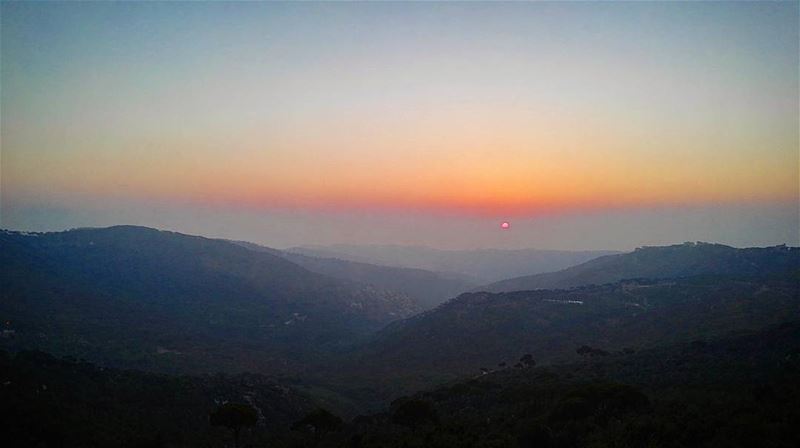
<point>734,391</point>
<point>139,297</point>
<point>427,288</point>
<point>680,260</point>
<point>484,329</point>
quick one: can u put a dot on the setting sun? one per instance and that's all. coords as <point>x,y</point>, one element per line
<point>275,224</point>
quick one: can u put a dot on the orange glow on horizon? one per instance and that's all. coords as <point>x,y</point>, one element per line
<point>530,175</point>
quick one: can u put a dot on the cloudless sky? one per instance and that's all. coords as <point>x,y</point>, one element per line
<point>586,125</point>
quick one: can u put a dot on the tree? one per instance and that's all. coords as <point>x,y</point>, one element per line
<point>584,350</point>
<point>527,360</point>
<point>535,435</point>
<point>587,351</point>
<point>414,413</point>
<point>234,416</point>
<point>321,421</point>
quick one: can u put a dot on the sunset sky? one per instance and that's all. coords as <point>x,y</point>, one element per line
<point>585,125</point>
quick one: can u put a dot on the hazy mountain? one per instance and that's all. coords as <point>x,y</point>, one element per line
<point>142,297</point>
<point>485,329</point>
<point>660,262</point>
<point>427,288</point>
<point>485,265</point>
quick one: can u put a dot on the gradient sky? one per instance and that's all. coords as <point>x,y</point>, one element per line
<point>587,125</point>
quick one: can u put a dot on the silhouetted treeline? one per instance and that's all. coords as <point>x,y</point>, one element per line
<point>738,391</point>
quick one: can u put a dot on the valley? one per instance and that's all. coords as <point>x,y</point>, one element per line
<point>207,321</point>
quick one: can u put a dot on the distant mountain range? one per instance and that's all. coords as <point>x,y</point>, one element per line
<point>140,297</point>
<point>162,301</point>
<point>679,260</point>
<point>427,288</point>
<point>482,265</point>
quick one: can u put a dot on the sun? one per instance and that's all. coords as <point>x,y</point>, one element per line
<point>505,225</point>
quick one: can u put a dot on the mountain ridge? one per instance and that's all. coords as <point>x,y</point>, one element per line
<point>659,262</point>
<point>428,288</point>
<point>484,329</point>
<point>119,293</point>
<point>485,265</point>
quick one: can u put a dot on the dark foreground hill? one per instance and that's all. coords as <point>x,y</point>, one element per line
<point>49,402</point>
<point>680,260</point>
<point>735,391</point>
<point>144,298</point>
<point>427,288</point>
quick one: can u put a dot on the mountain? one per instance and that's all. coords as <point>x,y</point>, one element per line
<point>738,390</point>
<point>47,402</point>
<point>429,289</point>
<point>660,262</point>
<point>140,297</point>
<point>484,265</point>
<point>485,329</point>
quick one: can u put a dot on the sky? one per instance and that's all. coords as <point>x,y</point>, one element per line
<point>584,125</point>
